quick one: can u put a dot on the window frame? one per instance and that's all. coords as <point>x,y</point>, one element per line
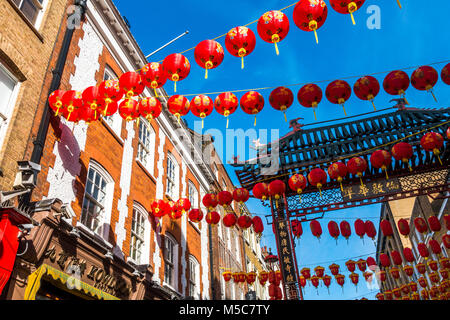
<point>40,10</point>
<point>143,215</point>
<point>171,182</point>
<point>193,283</point>
<point>148,160</point>
<point>170,264</point>
<point>115,121</point>
<point>194,193</point>
<point>6,115</point>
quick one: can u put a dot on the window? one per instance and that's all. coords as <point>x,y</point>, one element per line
<point>30,8</point>
<point>169,260</point>
<point>137,235</point>
<point>97,199</point>
<point>193,277</point>
<point>8,85</point>
<point>172,176</point>
<point>146,145</point>
<point>193,195</point>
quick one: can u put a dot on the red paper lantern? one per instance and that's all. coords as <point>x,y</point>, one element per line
<point>405,289</point>
<point>371,262</point>
<point>367,88</point>
<point>433,265</point>
<point>55,101</point>
<point>225,198</point>
<point>297,229</point>
<point>408,270</point>
<point>263,277</point>
<point>317,178</point>
<point>396,257</point>
<point>368,276</point>
<point>434,277</point>
<point>435,247</point>
<point>424,294</point>
<point>160,208</point>
<point>421,225</point>
<point>302,281</point>
<point>178,105</point>
<point>432,142</point>
<point>385,261</point>
<point>444,274</point>
<point>316,228</point>
<point>241,195</point>
<point>110,92</point>
<point>281,99</point>
<point>129,109</point>
<point>402,151</point>
<point>71,101</point>
<point>326,281</point>
<point>362,266</point>
<point>174,212</point>
<point>176,67</point>
<point>347,6</point>
<point>333,229</point>
<point>334,268</point>
<point>434,223</point>
<point>273,26</point>
<point>346,231</point>
<point>415,296</point>
<point>242,277</point>
<point>276,189</point>
<point>150,108</point>
<point>355,278</point>
<point>381,275</point>
<point>183,205</point>
<point>201,106</point>
<point>381,159</point>
<point>445,74</point>
<point>337,171</point>
<point>226,276</point>
<point>357,166</point>
<point>226,104</point>
<point>315,281</point>
<point>210,201</point>
<point>153,76</point>
<point>92,99</point>
<point>244,222</point>
<point>370,229</point>
<point>229,220</point>
<point>338,92</point>
<point>212,218</point>
<point>396,83</point>
<point>195,215</point>
<point>251,277</point>
<point>209,54</point>
<point>252,102</point>
<point>310,96</point>
<point>403,227</point>
<point>340,279</point>
<point>240,42</point>
<point>425,78</point>
<point>388,295</point>
<point>421,268</point>
<point>447,221</point>
<point>297,183</point>
<point>445,262</point>
<point>258,225</point>
<point>351,265</point>
<point>88,115</point>
<point>423,250</point>
<point>261,191</point>
<point>360,229</point>
<point>320,271</point>
<point>446,240</point>
<point>408,254</point>
<point>310,15</point>
<point>397,293</point>
<point>306,272</point>
<point>131,84</point>
<point>380,296</point>
<point>386,228</point>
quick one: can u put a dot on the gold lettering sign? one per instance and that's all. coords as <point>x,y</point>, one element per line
<point>371,189</point>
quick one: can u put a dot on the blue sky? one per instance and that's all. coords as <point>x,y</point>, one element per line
<point>408,38</point>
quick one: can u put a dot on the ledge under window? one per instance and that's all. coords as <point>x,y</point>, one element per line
<point>26,20</point>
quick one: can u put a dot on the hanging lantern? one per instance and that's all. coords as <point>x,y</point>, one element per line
<point>368,276</point>
<point>421,268</point>
<point>225,198</point>
<point>87,114</point>
<point>346,231</point>
<point>71,101</point>
<point>447,221</point>
<point>150,108</point>
<point>396,83</point>
<point>226,104</point>
<point>408,254</point>
<point>153,76</point>
<point>131,84</point>
<point>174,212</point>
<point>55,101</point>
<point>347,6</point>
<point>422,282</point>
<point>421,225</point>
<point>252,102</point>
<point>129,109</point>
<point>381,275</point>
<point>340,279</point>
<point>396,257</point>
<point>403,227</point>
<point>338,92</point>
<point>297,183</point>
<point>371,232</point>
<point>229,220</point>
<point>357,166</point>
<point>306,272</point>
<point>226,276</point>
<point>380,296</point>
<point>258,226</point>
<point>432,142</point>
<point>201,106</point>
<point>316,229</point>
<point>178,105</point>
<point>433,265</point>
<point>159,208</point>
<point>361,263</point>
<point>397,293</point>
<point>334,268</point>
<point>240,42</point>
<point>445,262</point>
<point>320,271</point>
<point>195,215</point>
<point>385,261</point>
<point>210,201</point>
<point>424,294</point>
<point>395,273</point>
<point>403,151</point>
<point>434,277</point>
<point>317,178</point>
<point>333,229</point>
<point>281,99</point>
<point>310,96</point>
<point>241,195</point>
<point>388,295</point>
<point>261,191</point>
<point>110,92</point>
<point>302,281</point>
<point>277,189</point>
<point>446,240</point>
<point>409,271</point>
<point>444,274</point>
<point>212,218</point>
<point>434,292</point>
<point>297,229</point>
<point>183,205</point>
<point>235,276</point>
<point>278,276</point>
<point>434,223</point>
<point>367,88</point>
<point>91,100</point>
<point>445,74</point>
<point>273,26</point>
<point>355,279</point>
<point>310,15</point>
<point>315,281</point>
<point>327,282</point>
<point>244,222</point>
<point>435,247</point>
<point>381,159</point>
<point>337,171</point>
<point>405,289</point>
<point>371,262</point>
<point>209,54</point>
<point>251,277</point>
<point>360,229</point>
<point>176,67</point>
<point>263,277</point>
<point>386,228</point>
<point>425,78</point>
<point>351,265</point>
<point>423,250</point>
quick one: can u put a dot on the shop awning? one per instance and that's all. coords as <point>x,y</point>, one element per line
<point>34,283</point>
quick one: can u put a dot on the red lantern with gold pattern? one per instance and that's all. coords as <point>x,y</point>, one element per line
<point>159,208</point>
<point>320,271</point>
<point>357,166</point>
<point>242,277</point>
<point>110,92</point>
<point>273,26</point>
<point>396,258</point>
<point>195,215</point>
<point>316,229</point>
<point>327,282</point>
<point>421,268</point>
<point>445,74</point>
<point>281,99</point>
<point>367,88</point>
<point>258,226</point>
<point>306,272</point>
<point>183,205</point>
<point>351,265</point>
<point>297,229</point>
<point>432,142</point>
<point>362,266</point>
<point>176,67</point>
<point>413,286</point>
<point>435,247</point>
<point>276,189</point>
<point>315,281</point>
<point>371,232</point>
<point>334,268</point>
<point>229,220</point>
<point>150,108</point>
<point>212,218</point>
<point>397,293</point>
<point>263,277</point>
<point>380,296</point>
<point>409,271</point>
<point>201,106</point>
<point>92,100</point>
<point>310,15</point>
<point>338,92</point>
<point>302,281</point>
<point>55,101</point>
<point>131,84</point>
<point>368,276</point>
<point>434,223</point>
<point>240,42</point>
<point>421,225</point>
<point>423,250</point>
<point>347,6</point>
<point>354,277</point>
<point>251,277</point>
<point>71,101</point>
<point>403,227</point>
<point>209,54</point>
<point>424,294</point>
<point>225,198</point>
<point>252,102</point>
<point>388,295</point>
<point>408,254</point>
<point>340,279</point>
<point>226,104</point>
<point>402,151</point>
<point>386,228</point>
<point>337,171</point>
<point>360,229</point>
<point>310,96</point>
<point>261,191</point>
<point>346,231</point>
<point>297,183</point>
<point>396,83</point>
<point>153,76</point>
<point>317,178</point>
<point>333,229</point>
<point>241,195</point>
<point>415,296</point>
<point>385,261</point>
<point>444,274</point>
<point>381,274</point>
<point>244,222</point>
<point>129,109</point>
<point>425,78</point>
<point>88,115</point>
<point>381,159</point>
<point>445,262</point>
<point>178,105</point>
<point>226,276</point>
<point>433,265</point>
<point>434,292</point>
<point>434,277</point>
<point>395,273</point>
<point>210,201</point>
<point>446,240</point>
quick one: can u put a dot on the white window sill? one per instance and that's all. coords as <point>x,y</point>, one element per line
<point>165,284</point>
<point>94,235</point>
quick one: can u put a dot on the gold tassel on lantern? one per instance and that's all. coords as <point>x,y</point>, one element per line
<point>399,4</point>
<point>352,7</point>
<point>313,27</point>
<point>175,78</point>
<point>275,40</point>
<point>241,53</point>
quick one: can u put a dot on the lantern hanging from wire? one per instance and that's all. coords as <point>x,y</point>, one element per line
<point>229,220</point>
<point>281,99</point>
<point>434,223</point>
<point>435,247</point>
<point>309,96</point>
<point>183,205</point>
<point>434,277</point>
<point>225,198</point>
<point>385,261</point>
<point>317,178</point>
<point>351,265</point>
<point>210,201</point>
<point>423,250</point>
<point>327,282</point>
<point>340,279</point>
<point>424,294</point>
<point>445,74</point>
<point>174,212</point>
<point>396,83</point>
<point>226,276</point>
<point>397,293</point>
<point>371,263</point>
<point>258,226</point>
<point>347,6</point>
<point>369,227</point>
<point>226,104</point>
<point>447,221</point>
<point>381,275</point>
<point>129,110</point>
<point>362,265</point>
<point>196,215</point>
<point>425,78</point>
<point>212,218</point>
<point>277,189</point>
<point>434,265</point>
<point>395,273</point>
<point>333,229</point>
<point>380,296</point>
<point>403,151</point>
<point>252,102</point>
<point>178,105</point>
<point>71,101</point>
<point>360,229</point>
<point>334,268</point>
<point>368,276</point>
<point>432,142</point>
<point>405,289</point>
<point>409,255</point>
<point>310,15</point>
<point>422,282</point>
<point>396,258</point>
<point>177,67</point>
<point>315,282</point>
<point>209,54</point>
<point>320,271</point>
<point>150,108</point>
<point>316,229</point>
<point>159,208</point>
<point>446,240</point>
<point>444,274</point>
<point>88,114</point>
<point>421,268</point>
<point>386,228</point>
<point>421,225</point>
<point>357,166</point>
<point>251,277</point>
<point>263,277</point>
<point>55,101</point>
<point>345,229</point>
<point>337,171</point>
<point>131,84</point>
<point>297,229</point>
<point>409,271</point>
<point>338,92</point>
<point>403,227</point>
<point>201,106</point>
<point>244,222</point>
<point>111,93</point>
<point>153,76</point>
<point>297,183</point>
<point>306,272</point>
<point>444,262</point>
<point>92,100</point>
<point>240,42</point>
<point>381,159</point>
<point>273,26</point>
<point>367,88</point>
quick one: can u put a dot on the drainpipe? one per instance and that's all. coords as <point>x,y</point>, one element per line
<point>211,264</point>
